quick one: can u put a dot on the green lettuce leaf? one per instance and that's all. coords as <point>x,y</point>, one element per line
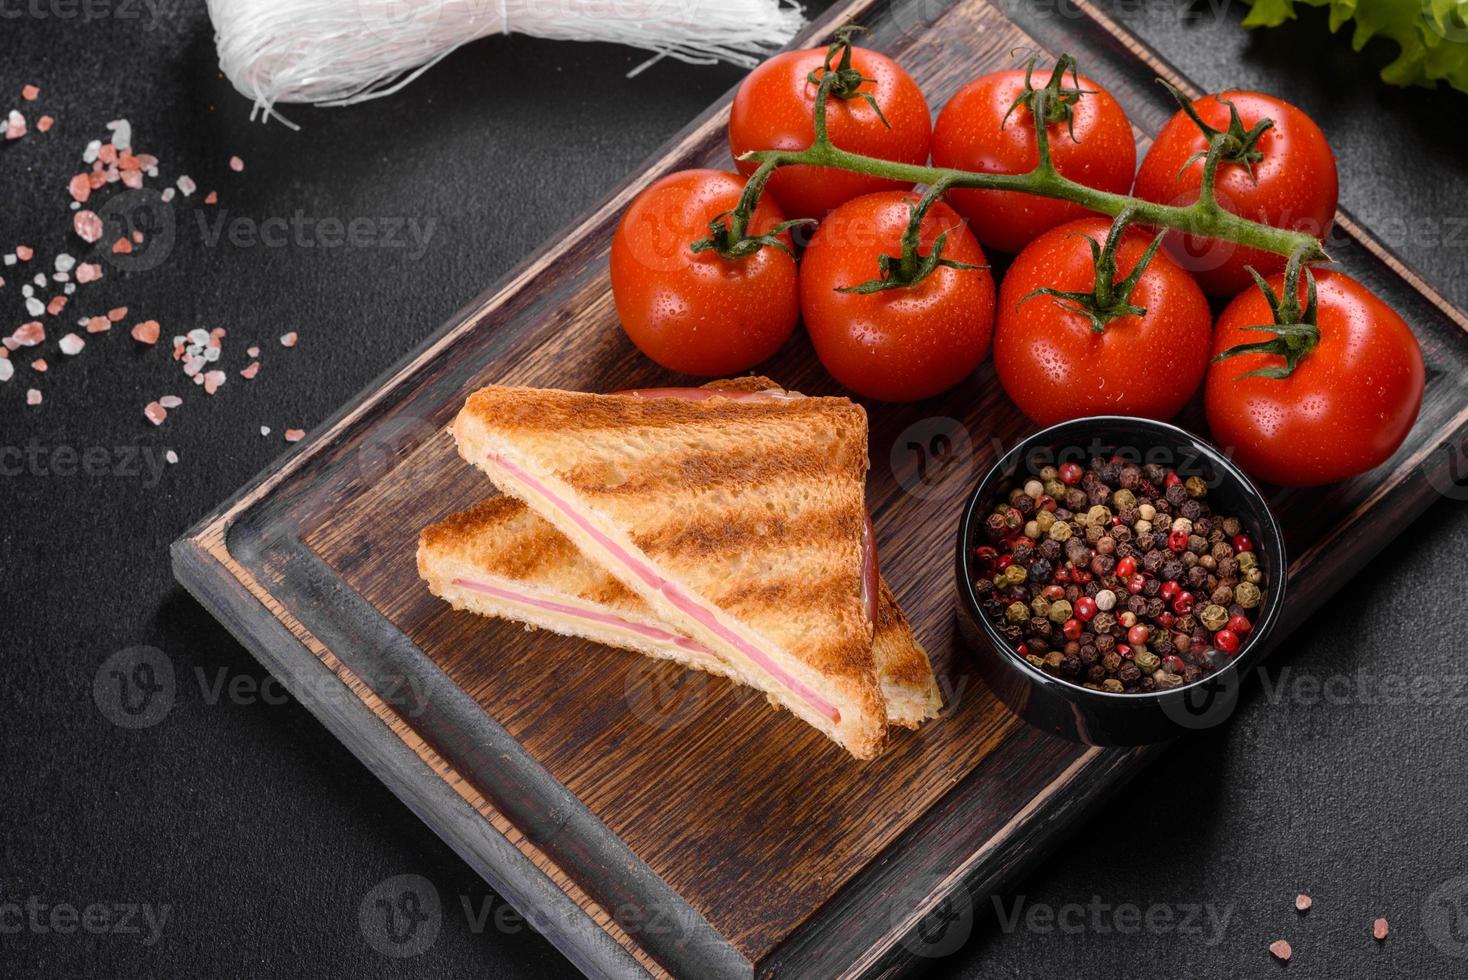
<point>1431,35</point>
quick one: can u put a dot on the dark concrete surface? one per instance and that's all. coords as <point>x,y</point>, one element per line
<point>259,837</point>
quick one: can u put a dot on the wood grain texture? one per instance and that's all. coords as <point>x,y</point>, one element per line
<point>633,787</point>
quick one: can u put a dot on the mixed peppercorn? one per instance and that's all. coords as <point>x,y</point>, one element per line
<point>1117,576</point>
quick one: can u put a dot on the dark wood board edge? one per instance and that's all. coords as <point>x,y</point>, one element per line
<point>509,872</point>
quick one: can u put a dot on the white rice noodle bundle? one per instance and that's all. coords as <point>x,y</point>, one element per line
<point>337,52</point>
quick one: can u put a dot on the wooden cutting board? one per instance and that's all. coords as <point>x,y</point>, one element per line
<point>650,820</point>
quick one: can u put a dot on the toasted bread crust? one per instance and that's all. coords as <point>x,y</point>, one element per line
<point>591,445</point>
<point>502,537</point>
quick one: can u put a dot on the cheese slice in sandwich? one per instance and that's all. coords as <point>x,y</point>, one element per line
<point>499,558</point>
<point>737,516</point>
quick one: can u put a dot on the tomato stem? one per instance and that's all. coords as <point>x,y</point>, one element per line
<point>912,266</point>
<point>1296,331</point>
<point>1108,299</point>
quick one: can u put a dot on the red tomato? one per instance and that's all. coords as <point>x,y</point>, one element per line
<point>972,134</point>
<point>899,344</point>
<point>1349,403</point>
<point>1293,184</point>
<point>1056,367</point>
<point>700,313</point>
<point>774,109</point>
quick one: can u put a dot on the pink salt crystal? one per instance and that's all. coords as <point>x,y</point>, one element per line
<point>294,435</point>
<point>44,124</point>
<point>1303,902</point>
<point>39,364</point>
<point>1379,929</point>
<point>14,125</point>
<point>170,401</point>
<point>117,313</point>
<point>71,345</point>
<point>87,226</point>
<point>32,396</point>
<point>252,351</point>
<point>1281,950</point>
<point>212,197</point>
<point>57,304</point>
<point>212,381</point>
<point>98,324</point>
<point>146,332</point>
<point>155,412</point>
<point>132,179</point>
<point>29,93</point>
<point>249,372</point>
<point>24,252</point>
<point>88,271</point>
<point>288,340</point>
<point>80,188</point>
<point>29,334</point>
<point>236,164</point>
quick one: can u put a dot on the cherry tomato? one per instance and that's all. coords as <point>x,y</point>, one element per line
<point>774,109</point>
<point>697,312</point>
<point>1056,367</point>
<point>1349,403</point>
<point>973,134</point>
<point>1293,184</point>
<point>899,344</point>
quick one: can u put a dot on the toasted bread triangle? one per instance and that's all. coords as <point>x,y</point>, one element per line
<point>738,520</point>
<point>499,558</point>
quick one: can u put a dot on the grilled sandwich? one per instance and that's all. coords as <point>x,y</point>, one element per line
<point>499,558</point>
<point>737,517</point>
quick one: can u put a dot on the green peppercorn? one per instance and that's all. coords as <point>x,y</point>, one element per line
<point>1165,679</point>
<point>1056,489</point>
<point>1052,661</point>
<point>1059,531</point>
<point>1048,473</point>
<point>1213,617</point>
<point>1112,686</point>
<point>1015,575</point>
<point>1247,560</point>
<point>1147,661</point>
<point>1035,661</point>
<point>1196,486</point>
<point>1043,520</point>
<point>1098,515</point>
<point>1060,611</point>
<point>1017,613</point>
<point>1247,594</point>
<point>1253,576</point>
<point>1040,605</point>
<point>1123,499</point>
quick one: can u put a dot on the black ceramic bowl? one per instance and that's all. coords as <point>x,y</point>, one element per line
<point>1100,717</point>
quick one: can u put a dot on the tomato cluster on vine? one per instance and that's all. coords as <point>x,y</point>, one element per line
<point>1307,379</point>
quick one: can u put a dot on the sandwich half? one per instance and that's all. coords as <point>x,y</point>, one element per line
<point>499,558</point>
<point>737,517</point>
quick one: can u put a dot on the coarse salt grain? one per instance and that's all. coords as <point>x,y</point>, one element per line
<point>24,252</point>
<point>65,262</point>
<point>44,124</point>
<point>212,381</point>
<point>1303,902</point>
<point>98,324</point>
<point>170,401</point>
<point>155,413</point>
<point>40,365</point>
<point>7,370</point>
<point>1379,929</point>
<point>167,195</point>
<point>34,307</point>
<point>1281,950</point>
<point>265,430</point>
<point>14,125</point>
<point>186,185</point>
<point>212,197</point>
<point>29,93</point>
<point>294,435</point>
<point>29,334</point>
<point>33,396</point>
<point>57,304</point>
<point>252,351</point>
<point>171,456</point>
<point>236,164</point>
<point>117,313</point>
<point>87,226</point>
<point>146,332</point>
<point>289,340</point>
<point>249,372</point>
<point>88,272</point>
<point>71,345</point>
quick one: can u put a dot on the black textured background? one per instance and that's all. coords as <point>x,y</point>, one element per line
<point>262,835</point>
